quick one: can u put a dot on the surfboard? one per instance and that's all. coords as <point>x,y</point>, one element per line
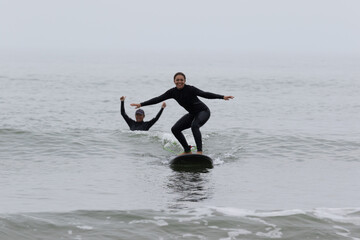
<point>192,160</point>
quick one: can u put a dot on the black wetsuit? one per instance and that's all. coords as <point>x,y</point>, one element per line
<point>142,126</point>
<point>198,114</point>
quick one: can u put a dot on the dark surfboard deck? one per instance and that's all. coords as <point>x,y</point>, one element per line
<point>192,161</point>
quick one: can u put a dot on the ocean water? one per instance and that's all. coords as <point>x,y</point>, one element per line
<point>286,149</point>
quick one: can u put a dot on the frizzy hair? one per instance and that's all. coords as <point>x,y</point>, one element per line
<point>179,73</point>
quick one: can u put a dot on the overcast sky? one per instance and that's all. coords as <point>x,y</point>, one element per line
<point>320,26</point>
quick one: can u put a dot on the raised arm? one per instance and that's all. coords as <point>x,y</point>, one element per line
<point>154,120</point>
<point>123,113</point>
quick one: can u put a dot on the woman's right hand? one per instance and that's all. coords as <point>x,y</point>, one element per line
<point>228,97</point>
<point>136,105</point>
<point>122,98</point>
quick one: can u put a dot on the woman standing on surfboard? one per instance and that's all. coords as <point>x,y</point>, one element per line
<point>187,97</point>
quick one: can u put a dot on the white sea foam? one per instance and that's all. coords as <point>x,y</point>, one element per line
<point>145,221</point>
<point>85,227</point>
<point>217,160</point>
<point>252,213</point>
<point>275,233</point>
<point>233,211</point>
<point>342,215</point>
<point>193,236</point>
<point>341,231</point>
<point>233,233</point>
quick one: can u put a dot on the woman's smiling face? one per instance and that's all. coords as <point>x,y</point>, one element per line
<point>179,81</point>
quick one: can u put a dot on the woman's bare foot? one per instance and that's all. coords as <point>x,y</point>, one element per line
<point>184,153</point>
<point>199,152</point>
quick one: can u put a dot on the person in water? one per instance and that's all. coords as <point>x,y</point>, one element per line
<point>187,97</point>
<point>139,124</point>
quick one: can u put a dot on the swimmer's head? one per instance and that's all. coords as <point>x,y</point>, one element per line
<point>139,115</point>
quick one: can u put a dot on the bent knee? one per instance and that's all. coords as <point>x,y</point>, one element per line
<point>195,126</point>
<point>174,129</point>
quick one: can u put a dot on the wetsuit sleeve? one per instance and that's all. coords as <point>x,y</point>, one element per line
<point>128,120</point>
<point>208,95</point>
<point>155,100</point>
<point>154,120</point>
